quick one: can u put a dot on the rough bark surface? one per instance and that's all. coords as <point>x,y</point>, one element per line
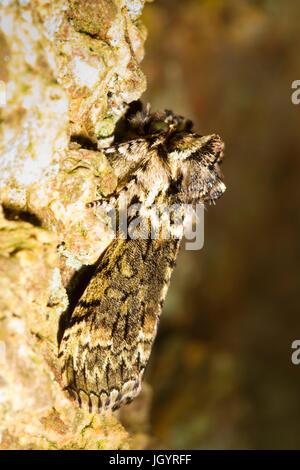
<point>68,68</point>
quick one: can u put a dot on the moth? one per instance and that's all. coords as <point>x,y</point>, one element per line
<point>107,343</point>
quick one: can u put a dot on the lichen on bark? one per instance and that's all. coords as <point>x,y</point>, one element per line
<point>70,68</point>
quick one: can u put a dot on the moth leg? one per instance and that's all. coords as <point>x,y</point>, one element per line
<point>111,201</point>
<point>96,203</point>
<point>104,202</point>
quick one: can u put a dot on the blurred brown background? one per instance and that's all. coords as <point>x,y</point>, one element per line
<point>221,369</point>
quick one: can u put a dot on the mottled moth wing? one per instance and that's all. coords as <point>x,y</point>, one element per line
<point>105,349</point>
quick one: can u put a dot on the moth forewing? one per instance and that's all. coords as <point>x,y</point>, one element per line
<point>106,346</point>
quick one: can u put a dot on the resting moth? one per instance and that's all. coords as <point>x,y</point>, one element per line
<point>107,343</point>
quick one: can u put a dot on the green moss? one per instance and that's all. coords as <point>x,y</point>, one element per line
<point>72,446</point>
<point>105,128</point>
<point>87,426</point>
<point>100,444</point>
<point>35,359</point>
<point>92,16</point>
<point>52,445</point>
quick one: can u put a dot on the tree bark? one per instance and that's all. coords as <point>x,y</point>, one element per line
<point>68,71</point>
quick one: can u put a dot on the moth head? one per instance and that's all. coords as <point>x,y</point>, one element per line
<point>194,163</point>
